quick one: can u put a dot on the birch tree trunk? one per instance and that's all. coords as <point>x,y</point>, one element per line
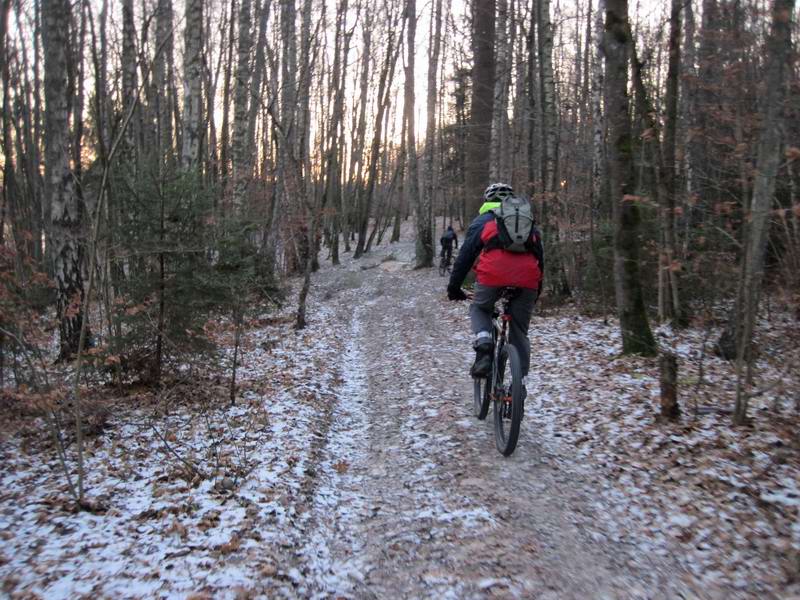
<point>75,88</point>
<point>259,75</point>
<point>532,94</point>
<point>129,83</point>
<point>768,161</point>
<point>479,135</point>
<point>636,335</point>
<point>66,211</point>
<point>548,103</point>
<point>161,80</point>
<point>424,242</point>
<point>501,85</point>
<point>192,85</point>
<point>241,163</point>
<point>225,126</point>
<point>430,126</point>
<point>9,183</point>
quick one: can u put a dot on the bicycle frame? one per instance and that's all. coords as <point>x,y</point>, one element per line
<point>499,339</point>
<point>504,385</point>
<point>445,264</point>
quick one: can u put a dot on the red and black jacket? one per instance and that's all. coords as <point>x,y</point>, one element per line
<point>498,267</point>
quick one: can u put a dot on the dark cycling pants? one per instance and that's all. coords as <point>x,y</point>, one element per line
<point>480,313</point>
<point>447,251</point>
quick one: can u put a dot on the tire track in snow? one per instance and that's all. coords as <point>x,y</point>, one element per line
<point>432,510</point>
<point>331,554</point>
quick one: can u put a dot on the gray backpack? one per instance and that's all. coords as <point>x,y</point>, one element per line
<point>514,219</point>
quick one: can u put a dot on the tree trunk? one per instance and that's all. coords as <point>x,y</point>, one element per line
<point>668,369</point>
<point>287,141</point>
<point>767,163</point>
<point>532,93</point>
<point>129,82</point>
<point>479,135</point>
<point>430,137</point>
<point>669,307</point>
<point>66,210</point>
<point>192,83</point>
<point>548,100</point>
<point>225,134</point>
<point>383,96</point>
<point>241,163</point>
<point>424,243</point>
<point>599,201</point>
<point>333,170</point>
<point>636,335</point>
<point>257,100</point>
<point>501,85</point>
<point>161,81</point>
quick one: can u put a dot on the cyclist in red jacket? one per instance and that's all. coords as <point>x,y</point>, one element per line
<point>496,269</point>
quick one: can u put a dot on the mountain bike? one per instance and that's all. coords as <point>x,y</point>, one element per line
<point>445,264</point>
<point>503,388</point>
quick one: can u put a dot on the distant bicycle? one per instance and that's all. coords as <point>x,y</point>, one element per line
<point>504,386</point>
<point>445,264</point>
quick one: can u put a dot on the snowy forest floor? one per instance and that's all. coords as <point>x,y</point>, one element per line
<point>351,466</point>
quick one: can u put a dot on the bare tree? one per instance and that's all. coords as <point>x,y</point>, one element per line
<point>430,127</point>
<point>480,124</point>
<point>598,124</point>
<point>422,203</point>
<point>383,98</point>
<point>60,185</point>
<point>192,85</point>
<point>636,335</point>
<point>162,79</point>
<point>333,155</point>
<point>241,96</point>
<point>768,161</point>
<point>669,303</point>
<point>503,47</point>
<point>130,80</point>
<point>225,126</point>
<point>547,90</point>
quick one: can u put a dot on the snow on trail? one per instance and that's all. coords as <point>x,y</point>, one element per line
<point>360,472</point>
<point>442,514</point>
<point>338,499</point>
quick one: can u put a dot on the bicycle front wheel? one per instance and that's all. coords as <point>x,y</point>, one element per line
<point>508,400</point>
<point>482,393</point>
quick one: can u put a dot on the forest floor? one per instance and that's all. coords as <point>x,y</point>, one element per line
<point>350,466</point>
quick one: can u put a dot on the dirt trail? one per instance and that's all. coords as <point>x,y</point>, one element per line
<point>413,499</point>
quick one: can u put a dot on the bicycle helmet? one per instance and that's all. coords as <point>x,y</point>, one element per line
<point>497,191</point>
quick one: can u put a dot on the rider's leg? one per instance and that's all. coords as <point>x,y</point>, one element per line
<point>480,314</point>
<point>521,309</point>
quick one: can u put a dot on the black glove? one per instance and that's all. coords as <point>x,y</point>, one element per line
<point>454,292</point>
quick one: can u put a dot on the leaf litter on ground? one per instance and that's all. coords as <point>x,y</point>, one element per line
<point>212,500</point>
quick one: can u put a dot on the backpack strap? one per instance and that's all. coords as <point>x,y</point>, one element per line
<point>493,243</point>
<point>532,245</point>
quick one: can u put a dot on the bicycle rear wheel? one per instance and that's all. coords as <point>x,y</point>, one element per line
<point>442,266</point>
<point>508,400</point>
<point>481,395</point>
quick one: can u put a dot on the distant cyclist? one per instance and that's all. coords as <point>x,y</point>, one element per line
<point>448,240</point>
<point>498,268</point>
